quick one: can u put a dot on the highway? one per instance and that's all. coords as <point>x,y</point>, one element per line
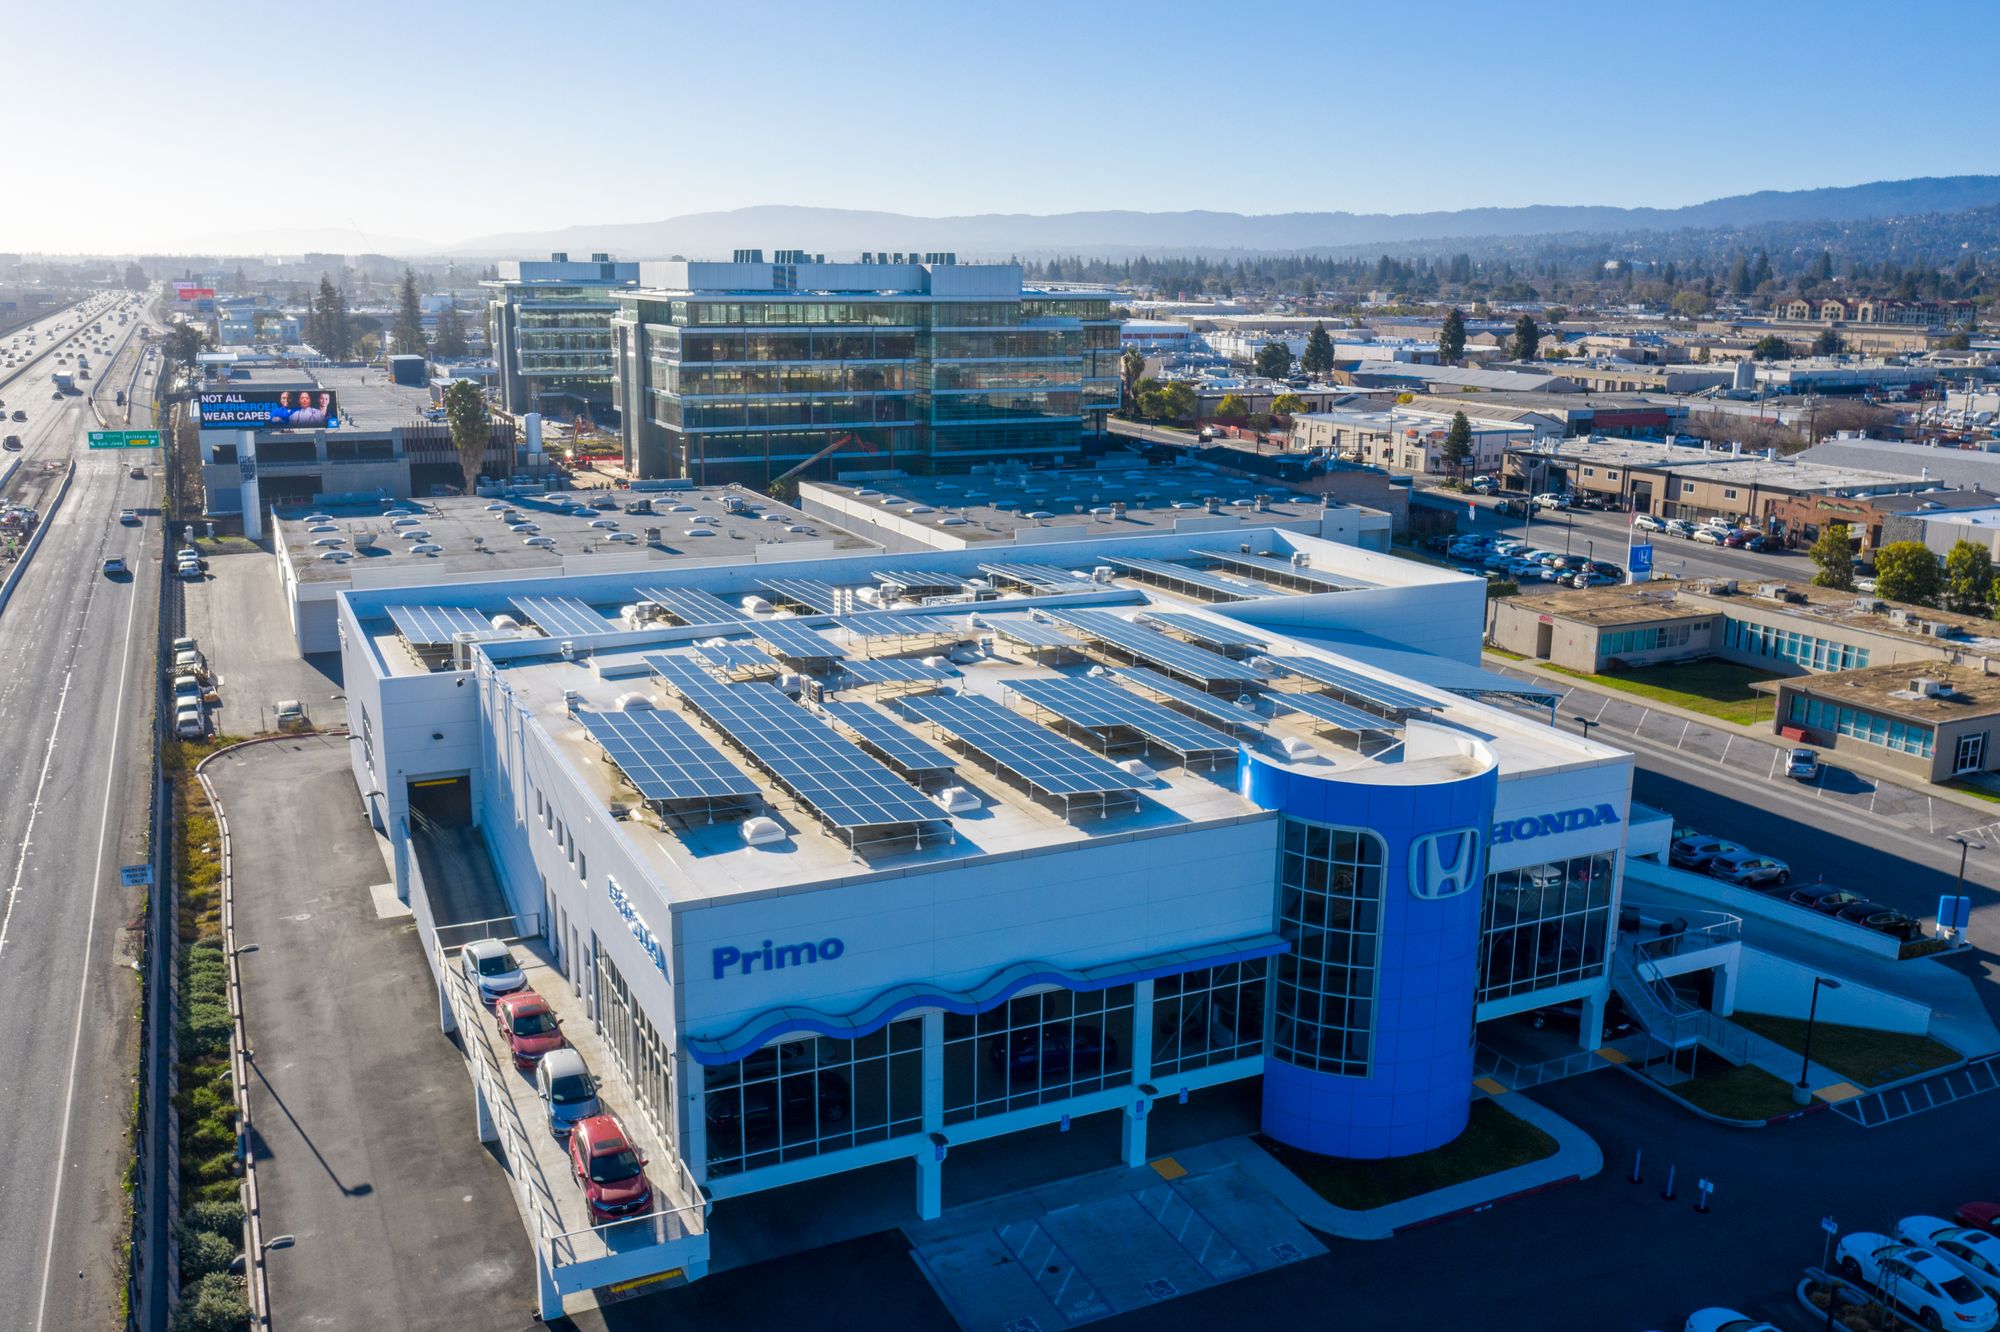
<point>76,697</point>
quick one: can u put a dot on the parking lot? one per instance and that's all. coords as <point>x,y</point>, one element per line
<point>237,615</point>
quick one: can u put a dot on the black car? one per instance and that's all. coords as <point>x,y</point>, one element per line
<point>1826,898</point>
<point>1058,1052</point>
<point>1881,919</point>
<point>752,1119</point>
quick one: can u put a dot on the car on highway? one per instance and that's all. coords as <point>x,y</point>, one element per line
<point>609,1168</point>
<point>1695,851</point>
<point>1552,500</point>
<point>114,566</point>
<point>129,517</point>
<point>11,443</point>
<point>1802,764</point>
<point>1646,522</point>
<point>568,1091</point>
<point>138,474</point>
<point>20,415</point>
<point>1746,869</point>
<point>490,966</point>
<point>1726,1320</point>
<point>1973,1252</point>
<point>528,1025</point>
<point>1917,1279</point>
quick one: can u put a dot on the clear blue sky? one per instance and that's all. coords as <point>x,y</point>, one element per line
<point>405,120</point>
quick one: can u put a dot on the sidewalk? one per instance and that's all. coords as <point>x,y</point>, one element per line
<point>1576,1157</point>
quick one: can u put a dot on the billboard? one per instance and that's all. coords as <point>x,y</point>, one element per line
<point>186,292</point>
<point>269,409</point>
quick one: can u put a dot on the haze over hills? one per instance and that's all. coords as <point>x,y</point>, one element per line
<point>1117,233</point>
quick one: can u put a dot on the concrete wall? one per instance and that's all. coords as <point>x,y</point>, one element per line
<point>1768,983</point>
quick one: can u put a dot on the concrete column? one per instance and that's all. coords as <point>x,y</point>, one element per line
<point>1723,998</point>
<point>1132,1131</point>
<point>482,1109</point>
<point>930,1170</point>
<point>548,1300</point>
<point>447,1020</point>
<point>1590,1021</point>
<point>930,1185</point>
<point>1142,1032</point>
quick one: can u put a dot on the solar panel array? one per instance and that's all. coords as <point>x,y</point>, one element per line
<point>1150,645</point>
<point>1181,573</point>
<point>691,605</point>
<point>563,617</point>
<point>1040,577</point>
<point>893,670</point>
<point>1096,705</point>
<point>735,656</point>
<point>795,642</point>
<point>1030,632</point>
<point>890,625</point>
<point>1356,685</point>
<point>844,787</point>
<point>1188,696</point>
<point>807,592</point>
<point>1332,712</point>
<point>1035,754</point>
<point>664,757</point>
<point>889,738</point>
<point>1203,631</point>
<point>1277,568</point>
<point>430,626</point>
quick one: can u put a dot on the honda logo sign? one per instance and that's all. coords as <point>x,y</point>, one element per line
<point>1444,864</point>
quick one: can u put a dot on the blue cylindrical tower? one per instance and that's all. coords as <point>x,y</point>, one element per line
<point>1380,875</point>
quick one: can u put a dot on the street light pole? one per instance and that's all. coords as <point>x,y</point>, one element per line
<point>1964,845</point>
<point>1584,724</point>
<point>1802,1093</point>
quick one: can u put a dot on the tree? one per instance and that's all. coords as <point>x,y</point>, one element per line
<point>1451,337</point>
<point>1689,303</point>
<point>409,334</point>
<point>135,278</point>
<point>1457,449</point>
<point>1828,343</point>
<point>184,343</point>
<point>1287,404</point>
<point>1959,341</point>
<point>1968,579</point>
<point>1274,360</point>
<point>1232,408</point>
<point>1770,347</point>
<point>1131,369</point>
<point>465,412</point>
<point>1318,358</point>
<point>1165,402</point>
<point>1739,278</point>
<point>1834,554</point>
<point>450,332</point>
<point>329,328</point>
<point>1527,338</point>
<point>1908,571</point>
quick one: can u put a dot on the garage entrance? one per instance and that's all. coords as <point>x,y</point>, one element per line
<point>445,801</point>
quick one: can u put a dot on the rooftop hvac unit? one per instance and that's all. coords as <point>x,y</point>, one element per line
<point>1924,686</point>
<point>1775,591</point>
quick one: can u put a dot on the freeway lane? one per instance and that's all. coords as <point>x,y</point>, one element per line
<point>76,696</point>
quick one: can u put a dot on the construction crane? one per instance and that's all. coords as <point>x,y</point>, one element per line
<point>839,441</point>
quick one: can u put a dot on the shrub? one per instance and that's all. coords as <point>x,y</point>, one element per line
<point>219,1218</point>
<point>204,1252</point>
<point>214,1304</point>
<point>205,1028</point>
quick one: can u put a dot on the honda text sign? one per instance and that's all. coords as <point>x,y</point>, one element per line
<point>269,409</point>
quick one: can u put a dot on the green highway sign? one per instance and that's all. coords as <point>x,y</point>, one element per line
<point>124,439</point>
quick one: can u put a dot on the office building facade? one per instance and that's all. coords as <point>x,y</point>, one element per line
<point>549,322</point>
<point>749,371</point>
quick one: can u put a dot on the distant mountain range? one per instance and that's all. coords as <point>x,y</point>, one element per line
<point>843,232</point>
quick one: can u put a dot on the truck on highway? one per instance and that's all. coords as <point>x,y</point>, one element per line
<point>65,382</point>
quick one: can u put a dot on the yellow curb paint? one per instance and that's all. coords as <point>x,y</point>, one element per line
<point>1839,1091</point>
<point>1611,1056</point>
<point>1489,1086</point>
<point>1168,1168</point>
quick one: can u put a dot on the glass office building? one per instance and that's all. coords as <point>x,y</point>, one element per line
<point>549,324</point>
<point>749,371</point>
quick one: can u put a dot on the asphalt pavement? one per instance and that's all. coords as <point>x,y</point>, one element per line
<point>76,697</point>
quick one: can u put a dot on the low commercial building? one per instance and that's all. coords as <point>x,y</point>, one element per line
<point>1840,374</point>
<point>949,854</point>
<point>1594,630</point>
<point>1156,337</point>
<point>1934,722</point>
<point>549,321</point>
<point>1407,441</point>
<point>1934,465</point>
<point>1874,521</point>
<point>1614,376</point>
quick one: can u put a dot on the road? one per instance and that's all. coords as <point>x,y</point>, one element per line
<point>76,693</point>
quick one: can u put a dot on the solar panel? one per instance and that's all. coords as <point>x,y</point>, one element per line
<point>1273,567</point>
<point>807,592</point>
<point>1185,576</point>
<point>1204,631</point>
<point>893,670</point>
<point>563,617</point>
<point>1030,632</point>
<point>891,625</point>
<point>888,738</point>
<point>1096,705</point>
<point>1156,648</point>
<point>1039,577</point>
<point>1035,754</point>
<point>430,626</point>
<point>1332,712</point>
<point>735,656</point>
<point>795,642</point>
<point>691,605</point>
<point>664,757</point>
<point>844,787</point>
<point>1188,696</point>
<point>1354,684</point>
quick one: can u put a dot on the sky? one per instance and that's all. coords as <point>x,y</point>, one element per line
<point>129,125</point>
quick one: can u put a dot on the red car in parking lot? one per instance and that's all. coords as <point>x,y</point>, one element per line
<point>610,1169</point>
<point>528,1025</point>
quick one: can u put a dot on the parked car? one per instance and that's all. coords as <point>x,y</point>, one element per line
<point>1758,542</point>
<point>189,724</point>
<point>1825,898</point>
<point>1695,852</point>
<point>1726,1320</point>
<point>1711,536</point>
<point>1550,499</point>
<point>1511,508</point>
<point>1484,485</point>
<point>1883,920</point>
<point>1679,527</point>
<point>528,1025</point>
<point>1748,870</point>
<point>1646,522</point>
<point>1802,764</point>
<point>1917,1279</point>
<point>290,715</point>
<point>1054,1053</point>
<point>1979,1216</point>
<point>609,1168</point>
<point>1973,1252</point>
<point>491,968</point>
<point>568,1091</point>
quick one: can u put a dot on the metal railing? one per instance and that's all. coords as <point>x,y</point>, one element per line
<point>1517,1076</point>
<point>1667,1015</point>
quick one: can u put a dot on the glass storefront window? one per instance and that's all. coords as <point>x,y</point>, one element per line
<point>1039,1047</point>
<point>1208,1017</point>
<point>1545,925</point>
<point>1330,908</point>
<point>810,1095</point>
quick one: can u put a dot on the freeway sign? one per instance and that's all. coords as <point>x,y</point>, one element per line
<point>124,439</point>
